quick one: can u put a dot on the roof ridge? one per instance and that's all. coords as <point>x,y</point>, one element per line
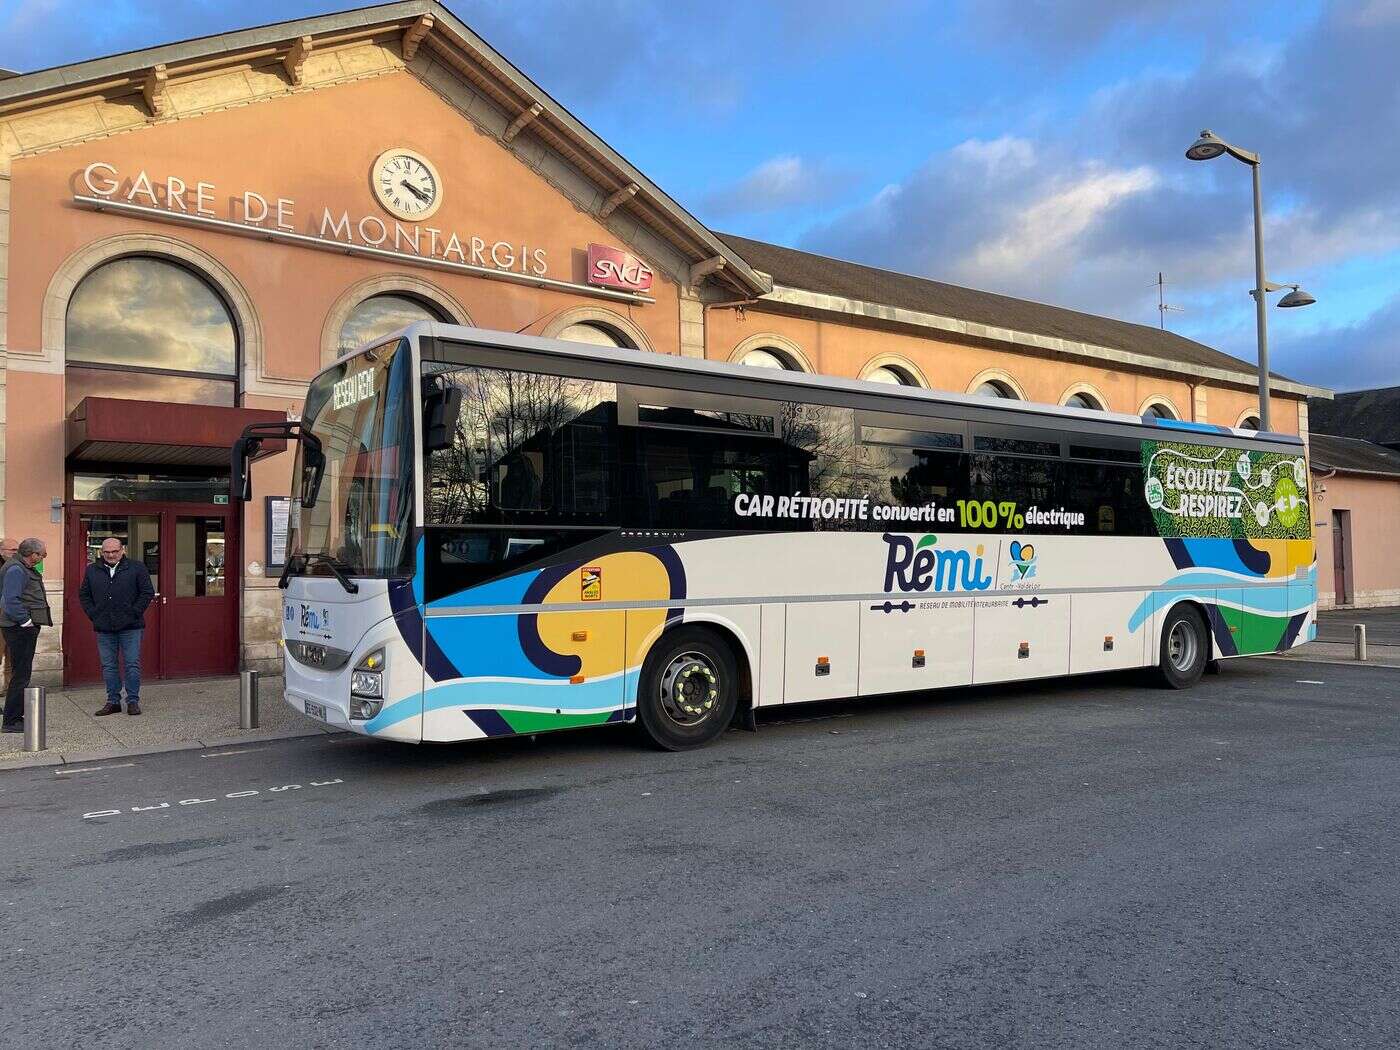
<point>967,288</point>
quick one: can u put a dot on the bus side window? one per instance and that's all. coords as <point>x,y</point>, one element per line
<point>1028,480</point>
<point>1109,495</point>
<point>912,477</point>
<point>690,480</point>
<point>820,445</point>
<point>527,449</point>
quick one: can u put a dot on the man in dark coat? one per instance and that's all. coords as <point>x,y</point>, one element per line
<point>115,593</point>
<point>24,610</point>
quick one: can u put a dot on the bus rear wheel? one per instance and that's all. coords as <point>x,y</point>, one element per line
<point>688,690</point>
<point>1185,648</point>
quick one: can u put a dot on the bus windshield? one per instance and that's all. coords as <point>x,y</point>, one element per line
<point>363,515</point>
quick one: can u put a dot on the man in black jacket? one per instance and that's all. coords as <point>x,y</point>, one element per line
<point>114,594</point>
<point>24,610</point>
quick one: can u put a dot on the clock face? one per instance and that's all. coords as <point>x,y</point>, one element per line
<point>406,184</point>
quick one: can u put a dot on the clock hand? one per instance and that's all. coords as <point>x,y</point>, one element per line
<point>414,190</point>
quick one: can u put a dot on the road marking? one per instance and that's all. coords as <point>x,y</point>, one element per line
<point>277,789</point>
<point>225,754</point>
<point>92,769</point>
<point>1309,681</point>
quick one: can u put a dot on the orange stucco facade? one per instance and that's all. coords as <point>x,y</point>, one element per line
<point>305,147</point>
<point>1359,512</point>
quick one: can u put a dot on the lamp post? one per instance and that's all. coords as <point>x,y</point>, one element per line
<point>1208,147</point>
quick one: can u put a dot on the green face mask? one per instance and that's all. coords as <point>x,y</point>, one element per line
<point>39,567</point>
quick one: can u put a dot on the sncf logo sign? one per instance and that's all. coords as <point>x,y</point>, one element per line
<point>614,268</point>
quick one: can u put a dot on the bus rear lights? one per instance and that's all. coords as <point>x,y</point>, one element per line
<point>1024,652</point>
<point>823,666</point>
<point>1108,643</point>
<point>918,658</point>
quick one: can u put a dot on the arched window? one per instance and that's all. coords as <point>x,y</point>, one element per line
<point>379,315</point>
<point>996,388</point>
<point>769,357</point>
<point>1249,423</point>
<point>891,374</point>
<point>1159,410</point>
<point>1083,400</point>
<point>595,333</point>
<point>148,329</point>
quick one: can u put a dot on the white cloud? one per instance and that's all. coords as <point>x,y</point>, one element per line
<point>1085,211</point>
<point>780,182</point>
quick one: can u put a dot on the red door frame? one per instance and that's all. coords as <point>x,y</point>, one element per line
<point>217,659</point>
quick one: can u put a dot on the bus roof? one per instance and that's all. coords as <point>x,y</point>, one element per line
<point>749,375</point>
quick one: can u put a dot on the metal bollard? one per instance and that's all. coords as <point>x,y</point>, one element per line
<point>36,718</point>
<point>248,699</point>
<point>1360,641</point>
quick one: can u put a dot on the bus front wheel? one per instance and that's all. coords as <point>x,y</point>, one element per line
<point>688,690</point>
<point>1185,648</point>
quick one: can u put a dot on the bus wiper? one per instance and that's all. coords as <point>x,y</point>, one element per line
<point>297,565</point>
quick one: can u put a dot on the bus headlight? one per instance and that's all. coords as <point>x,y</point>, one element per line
<point>367,686</point>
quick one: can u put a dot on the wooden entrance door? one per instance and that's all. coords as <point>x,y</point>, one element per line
<point>86,531</point>
<point>192,626</point>
<point>1341,555</point>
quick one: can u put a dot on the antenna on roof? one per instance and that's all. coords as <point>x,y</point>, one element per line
<point>1162,305</point>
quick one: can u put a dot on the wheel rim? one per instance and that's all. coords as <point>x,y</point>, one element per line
<point>1182,646</point>
<point>689,689</point>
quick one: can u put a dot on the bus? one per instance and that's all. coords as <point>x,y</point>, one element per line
<point>497,534</point>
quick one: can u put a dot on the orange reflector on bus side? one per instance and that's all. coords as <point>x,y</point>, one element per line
<point>1108,643</point>
<point>580,636</point>
<point>576,680</point>
<point>823,660</point>
<point>1024,651</point>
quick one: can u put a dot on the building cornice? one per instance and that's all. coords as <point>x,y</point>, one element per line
<point>859,311</point>
<point>414,28</point>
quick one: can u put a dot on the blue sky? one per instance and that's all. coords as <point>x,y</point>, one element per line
<point>1030,147</point>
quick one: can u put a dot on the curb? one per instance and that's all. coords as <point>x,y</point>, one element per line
<point>40,759</point>
<point>1333,663</point>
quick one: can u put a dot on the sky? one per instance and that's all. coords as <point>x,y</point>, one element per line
<point>1029,147</point>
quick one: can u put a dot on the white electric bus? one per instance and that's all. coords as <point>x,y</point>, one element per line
<point>498,534</point>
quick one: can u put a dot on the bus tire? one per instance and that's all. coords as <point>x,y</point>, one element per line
<point>688,690</point>
<point>1185,648</point>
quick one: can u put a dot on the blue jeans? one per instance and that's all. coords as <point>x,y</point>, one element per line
<point>128,643</point>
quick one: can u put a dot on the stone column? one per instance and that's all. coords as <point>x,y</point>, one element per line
<point>692,320</point>
<point>7,148</point>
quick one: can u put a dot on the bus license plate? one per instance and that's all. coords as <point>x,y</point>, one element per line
<point>316,710</point>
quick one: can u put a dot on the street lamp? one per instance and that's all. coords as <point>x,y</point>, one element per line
<point>1208,147</point>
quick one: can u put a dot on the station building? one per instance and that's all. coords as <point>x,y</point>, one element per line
<point>1356,497</point>
<point>190,232</point>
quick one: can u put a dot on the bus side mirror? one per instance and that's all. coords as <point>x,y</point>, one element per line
<point>240,478</point>
<point>313,469</point>
<point>441,410</point>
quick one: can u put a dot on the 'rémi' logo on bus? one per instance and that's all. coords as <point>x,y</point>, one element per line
<point>925,566</point>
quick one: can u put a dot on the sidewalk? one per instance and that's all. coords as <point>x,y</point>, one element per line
<point>1377,655</point>
<point>174,715</point>
<point>1382,625</point>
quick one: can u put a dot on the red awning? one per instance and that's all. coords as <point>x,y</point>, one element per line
<point>113,430</point>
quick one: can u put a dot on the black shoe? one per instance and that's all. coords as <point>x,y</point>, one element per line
<point>109,708</point>
<point>133,707</point>
<point>13,727</point>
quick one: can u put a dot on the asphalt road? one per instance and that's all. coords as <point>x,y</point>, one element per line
<point>1088,863</point>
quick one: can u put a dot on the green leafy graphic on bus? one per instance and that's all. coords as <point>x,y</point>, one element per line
<point>1200,490</point>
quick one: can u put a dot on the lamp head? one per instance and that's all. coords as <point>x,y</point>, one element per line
<point>1207,147</point>
<point>1297,297</point>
